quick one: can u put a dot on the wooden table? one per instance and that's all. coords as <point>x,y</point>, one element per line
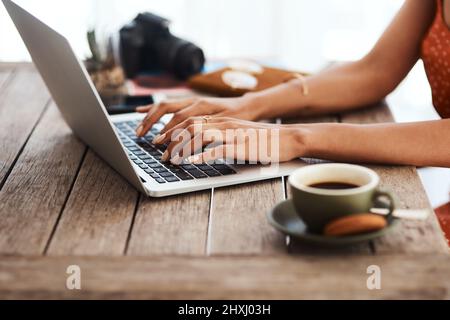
<point>61,205</point>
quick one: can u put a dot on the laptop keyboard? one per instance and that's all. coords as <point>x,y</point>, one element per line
<point>148,157</point>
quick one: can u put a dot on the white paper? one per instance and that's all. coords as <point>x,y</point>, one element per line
<point>239,80</point>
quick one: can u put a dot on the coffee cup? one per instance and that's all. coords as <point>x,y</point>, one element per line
<point>324,192</point>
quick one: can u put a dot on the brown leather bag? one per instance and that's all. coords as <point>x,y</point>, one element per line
<point>212,83</point>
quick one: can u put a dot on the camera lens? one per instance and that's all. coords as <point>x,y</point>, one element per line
<point>180,57</point>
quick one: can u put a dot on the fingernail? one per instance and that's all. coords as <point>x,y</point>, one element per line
<point>176,160</point>
<point>165,156</point>
<point>159,138</point>
<point>139,130</point>
<point>194,159</point>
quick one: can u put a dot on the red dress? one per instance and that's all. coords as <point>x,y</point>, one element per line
<point>436,57</point>
<point>435,54</point>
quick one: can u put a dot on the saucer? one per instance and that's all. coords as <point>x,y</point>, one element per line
<point>285,219</point>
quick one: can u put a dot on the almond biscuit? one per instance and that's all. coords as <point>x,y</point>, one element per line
<point>355,224</point>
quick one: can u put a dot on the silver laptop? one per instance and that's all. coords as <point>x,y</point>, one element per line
<point>113,137</point>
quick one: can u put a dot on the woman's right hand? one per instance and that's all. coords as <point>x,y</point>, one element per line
<point>243,108</point>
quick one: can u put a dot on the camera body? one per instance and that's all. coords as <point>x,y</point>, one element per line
<point>146,44</point>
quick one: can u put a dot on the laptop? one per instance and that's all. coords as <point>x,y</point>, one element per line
<point>113,137</point>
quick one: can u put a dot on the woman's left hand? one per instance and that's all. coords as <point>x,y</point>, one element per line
<point>229,138</point>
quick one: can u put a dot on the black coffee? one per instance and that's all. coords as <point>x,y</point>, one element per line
<point>334,185</point>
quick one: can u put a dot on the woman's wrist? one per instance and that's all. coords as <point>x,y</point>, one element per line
<point>278,101</point>
<point>299,138</point>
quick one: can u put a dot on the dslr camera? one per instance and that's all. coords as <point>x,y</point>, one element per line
<point>146,44</point>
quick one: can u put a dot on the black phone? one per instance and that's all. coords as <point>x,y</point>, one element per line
<point>126,104</point>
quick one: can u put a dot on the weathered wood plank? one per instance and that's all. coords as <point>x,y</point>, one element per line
<point>36,190</point>
<point>378,113</point>
<point>98,214</point>
<point>171,226</point>
<point>238,223</point>
<point>411,236</point>
<point>266,277</point>
<point>22,101</point>
<point>314,119</point>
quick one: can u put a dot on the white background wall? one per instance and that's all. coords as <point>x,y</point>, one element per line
<point>300,34</point>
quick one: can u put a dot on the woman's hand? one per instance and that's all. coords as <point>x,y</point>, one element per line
<point>241,108</point>
<point>229,138</point>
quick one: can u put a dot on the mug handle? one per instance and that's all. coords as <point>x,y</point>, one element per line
<point>392,201</point>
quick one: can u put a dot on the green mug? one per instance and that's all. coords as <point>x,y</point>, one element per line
<point>319,206</point>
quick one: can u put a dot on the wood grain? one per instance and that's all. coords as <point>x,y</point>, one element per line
<point>98,214</point>
<point>266,277</point>
<point>95,218</point>
<point>313,119</point>
<point>22,101</point>
<point>171,226</point>
<point>36,190</point>
<point>238,223</point>
<point>411,236</point>
<point>377,113</point>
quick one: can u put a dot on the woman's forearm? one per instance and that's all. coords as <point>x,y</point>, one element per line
<point>419,144</point>
<point>337,89</point>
